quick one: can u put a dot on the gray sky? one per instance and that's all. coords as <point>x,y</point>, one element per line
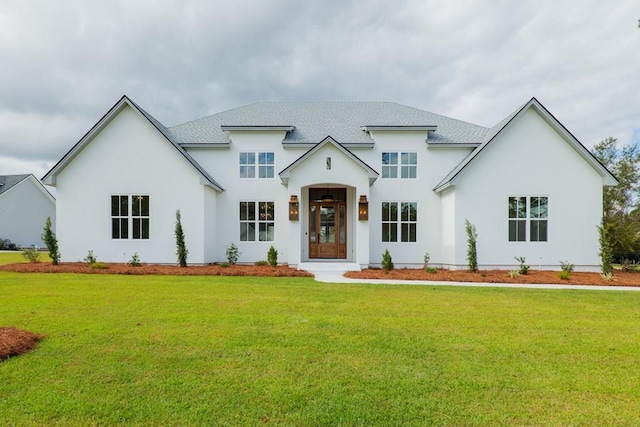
<point>63,64</point>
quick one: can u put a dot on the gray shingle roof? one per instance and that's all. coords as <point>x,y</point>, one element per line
<point>8,181</point>
<point>313,121</point>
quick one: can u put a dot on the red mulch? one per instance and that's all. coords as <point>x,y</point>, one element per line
<point>192,270</point>
<point>14,342</point>
<point>621,278</point>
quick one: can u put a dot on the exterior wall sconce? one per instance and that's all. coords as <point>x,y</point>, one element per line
<point>294,208</point>
<point>363,208</point>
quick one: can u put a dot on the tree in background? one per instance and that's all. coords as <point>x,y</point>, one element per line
<point>621,216</point>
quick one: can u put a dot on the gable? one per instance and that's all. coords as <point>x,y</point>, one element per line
<point>16,182</point>
<point>125,103</point>
<point>513,120</point>
<point>322,146</point>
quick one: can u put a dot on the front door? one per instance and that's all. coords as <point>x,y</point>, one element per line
<point>327,229</point>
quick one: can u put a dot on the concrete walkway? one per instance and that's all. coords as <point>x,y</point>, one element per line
<point>336,276</point>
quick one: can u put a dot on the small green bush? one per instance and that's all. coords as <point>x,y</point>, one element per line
<point>431,270</point>
<point>387,262</point>
<point>564,275</point>
<point>565,270</point>
<point>32,254</point>
<point>225,264</point>
<point>233,253</point>
<point>261,263</point>
<point>524,269</point>
<point>272,256</point>
<point>135,260</point>
<point>90,258</point>
<point>427,258</point>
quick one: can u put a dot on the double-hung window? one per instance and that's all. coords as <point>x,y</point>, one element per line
<point>406,161</point>
<point>406,220</point>
<point>528,219</point>
<point>265,164</point>
<point>130,216</point>
<point>260,217</point>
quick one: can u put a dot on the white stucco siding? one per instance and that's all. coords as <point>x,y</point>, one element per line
<point>129,157</point>
<point>529,158</point>
<point>23,211</point>
<point>432,165</point>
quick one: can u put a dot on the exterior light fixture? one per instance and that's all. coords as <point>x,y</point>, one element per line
<point>294,206</point>
<point>363,208</point>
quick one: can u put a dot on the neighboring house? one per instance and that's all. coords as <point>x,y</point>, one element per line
<point>331,181</point>
<point>25,205</point>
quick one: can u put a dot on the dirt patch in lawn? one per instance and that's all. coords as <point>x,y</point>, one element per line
<point>621,278</point>
<point>192,270</point>
<point>14,342</point>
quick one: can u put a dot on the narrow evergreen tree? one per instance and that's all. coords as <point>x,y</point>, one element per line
<point>181,247</point>
<point>472,252</point>
<point>51,241</point>
<point>606,250</point>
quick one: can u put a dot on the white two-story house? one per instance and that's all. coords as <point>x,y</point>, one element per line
<point>340,181</point>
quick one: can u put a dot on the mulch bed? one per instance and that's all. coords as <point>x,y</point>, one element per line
<point>158,269</point>
<point>621,278</point>
<point>14,342</point>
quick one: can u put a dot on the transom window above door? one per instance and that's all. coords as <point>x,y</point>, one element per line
<point>265,164</point>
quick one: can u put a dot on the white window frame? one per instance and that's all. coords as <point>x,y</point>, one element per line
<point>133,223</point>
<point>525,218</point>
<point>257,164</point>
<point>257,222</point>
<point>406,162</point>
<point>403,225</point>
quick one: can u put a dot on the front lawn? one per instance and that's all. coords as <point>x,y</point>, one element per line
<point>166,350</point>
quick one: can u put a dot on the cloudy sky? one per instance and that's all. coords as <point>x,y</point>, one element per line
<point>63,64</point>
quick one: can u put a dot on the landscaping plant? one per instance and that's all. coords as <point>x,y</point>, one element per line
<point>49,238</point>
<point>31,254</point>
<point>181,247</point>
<point>272,256</point>
<point>233,253</point>
<point>387,262</point>
<point>606,250</point>
<point>524,268</point>
<point>472,252</point>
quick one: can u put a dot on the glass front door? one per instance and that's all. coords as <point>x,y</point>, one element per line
<point>327,230</point>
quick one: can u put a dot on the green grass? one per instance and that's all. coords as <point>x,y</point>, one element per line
<point>16,256</point>
<point>161,350</point>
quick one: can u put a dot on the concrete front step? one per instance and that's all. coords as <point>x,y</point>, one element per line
<point>328,266</point>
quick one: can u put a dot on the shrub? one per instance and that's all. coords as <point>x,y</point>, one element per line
<point>472,252</point>
<point>181,247</point>
<point>524,269</point>
<point>565,270</point>
<point>608,277</point>
<point>387,261</point>
<point>90,258</point>
<point>431,270</point>
<point>427,258</point>
<point>272,256</point>
<point>626,265</point>
<point>49,238</point>
<point>224,264</point>
<point>606,250</point>
<point>514,273</point>
<point>233,253</point>
<point>32,254</point>
<point>261,263</point>
<point>135,260</point>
